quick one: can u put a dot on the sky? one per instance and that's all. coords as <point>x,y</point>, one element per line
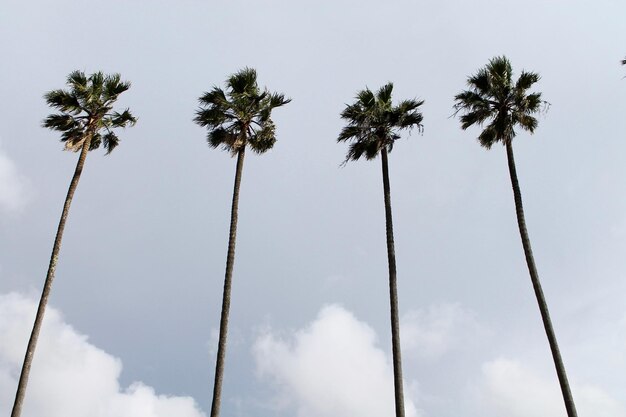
<point>132,323</point>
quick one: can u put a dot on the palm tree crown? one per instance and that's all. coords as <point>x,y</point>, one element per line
<point>86,109</point>
<point>241,115</point>
<point>494,97</point>
<point>374,122</point>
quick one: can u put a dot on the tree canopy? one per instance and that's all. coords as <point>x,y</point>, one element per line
<point>495,98</point>
<point>86,109</point>
<point>240,115</point>
<point>374,122</point>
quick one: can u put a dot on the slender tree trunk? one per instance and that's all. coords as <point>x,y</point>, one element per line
<point>43,301</point>
<point>534,276</point>
<point>230,261</point>
<point>393,293</point>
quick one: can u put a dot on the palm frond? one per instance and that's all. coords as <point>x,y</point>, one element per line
<point>77,80</point>
<point>244,82</point>
<point>532,103</point>
<point>366,98</point>
<point>73,139</point>
<point>277,100</point>
<point>61,122</point>
<point>500,69</point>
<point>113,87</point>
<point>214,97</point>
<point>383,96</point>
<point>352,132</point>
<point>110,141</point>
<point>64,101</point>
<point>481,83</point>
<point>96,141</point>
<point>361,148</point>
<point>406,115</point>
<point>263,139</point>
<point>526,80</point>
<point>122,119</point>
<point>527,122</point>
<point>488,137</point>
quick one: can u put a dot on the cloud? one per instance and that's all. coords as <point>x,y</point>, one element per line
<point>13,187</point>
<point>70,377</point>
<point>516,391</point>
<point>431,333</point>
<point>332,367</point>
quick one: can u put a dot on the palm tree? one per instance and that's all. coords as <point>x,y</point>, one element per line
<point>495,99</point>
<point>373,126</point>
<point>86,121</point>
<point>238,117</point>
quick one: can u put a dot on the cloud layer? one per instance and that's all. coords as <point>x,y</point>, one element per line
<point>330,368</point>
<point>516,391</point>
<point>71,377</point>
<point>433,332</point>
<point>334,366</point>
<point>13,193</point>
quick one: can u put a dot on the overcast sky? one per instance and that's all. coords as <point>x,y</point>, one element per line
<point>134,309</point>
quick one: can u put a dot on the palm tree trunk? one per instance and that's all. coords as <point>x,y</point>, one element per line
<point>43,301</point>
<point>230,261</point>
<point>393,292</point>
<point>534,276</point>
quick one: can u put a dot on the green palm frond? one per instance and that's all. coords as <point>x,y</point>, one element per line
<point>488,136</point>
<point>86,109</point>
<point>122,119</point>
<point>64,101</point>
<point>526,80</point>
<point>244,82</point>
<point>493,97</point>
<point>77,80</point>
<point>110,141</point>
<point>383,96</point>
<point>61,122</point>
<point>113,87</point>
<point>239,115</point>
<point>264,138</point>
<point>366,98</point>
<point>373,122</point>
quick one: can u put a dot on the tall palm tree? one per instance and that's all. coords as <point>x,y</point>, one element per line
<point>236,118</point>
<point>373,123</point>
<point>494,98</point>
<point>86,120</point>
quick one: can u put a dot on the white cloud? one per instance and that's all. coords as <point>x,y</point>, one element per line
<point>432,332</point>
<point>70,377</point>
<point>13,187</point>
<point>333,367</point>
<point>516,391</point>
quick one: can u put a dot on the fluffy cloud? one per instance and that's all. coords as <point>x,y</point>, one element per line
<point>70,377</point>
<point>333,367</point>
<point>516,391</point>
<point>432,332</point>
<point>12,185</point>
